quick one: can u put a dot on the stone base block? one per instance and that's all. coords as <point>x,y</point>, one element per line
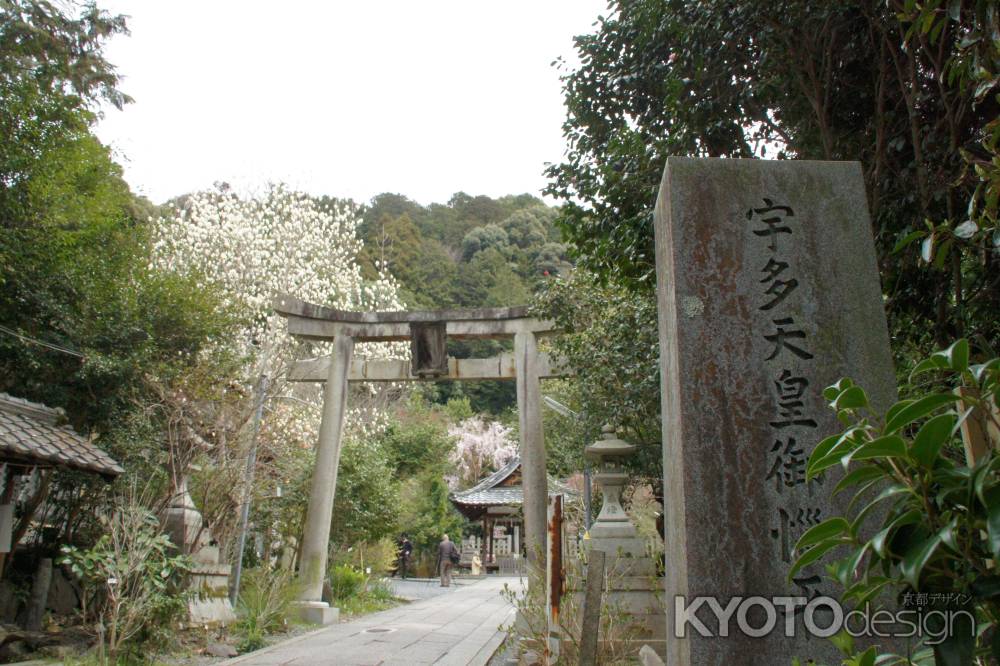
<point>317,612</point>
<point>215,610</point>
<point>617,546</point>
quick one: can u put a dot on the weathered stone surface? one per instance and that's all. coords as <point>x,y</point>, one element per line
<point>317,612</point>
<point>648,657</point>
<point>500,368</point>
<point>534,481</point>
<point>221,650</point>
<point>316,536</point>
<point>64,597</point>
<point>768,292</point>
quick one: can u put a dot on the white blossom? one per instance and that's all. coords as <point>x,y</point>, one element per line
<point>481,447</point>
<point>252,248</point>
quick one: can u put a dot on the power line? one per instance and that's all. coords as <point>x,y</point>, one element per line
<point>41,343</point>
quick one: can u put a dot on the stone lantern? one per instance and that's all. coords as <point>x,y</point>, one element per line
<point>208,577</point>
<point>608,454</point>
<point>631,580</point>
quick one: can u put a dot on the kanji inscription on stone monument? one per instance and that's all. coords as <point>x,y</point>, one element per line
<point>768,292</point>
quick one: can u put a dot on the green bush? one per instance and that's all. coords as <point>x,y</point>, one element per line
<point>264,605</point>
<point>130,579</point>
<point>934,515</point>
<point>346,582</point>
<point>380,590</point>
<point>378,556</point>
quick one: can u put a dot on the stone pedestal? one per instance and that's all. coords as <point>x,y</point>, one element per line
<point>210,605</point>
<point>317,612</point>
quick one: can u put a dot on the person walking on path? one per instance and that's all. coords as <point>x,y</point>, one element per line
<point>448,556</point>
<point>405,550</point>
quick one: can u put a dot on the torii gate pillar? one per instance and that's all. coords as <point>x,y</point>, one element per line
<point>533,478</point>
<point>316,536</point>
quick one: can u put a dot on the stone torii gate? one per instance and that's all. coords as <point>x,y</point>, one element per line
<point>427,332</point>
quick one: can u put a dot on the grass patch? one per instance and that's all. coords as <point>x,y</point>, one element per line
<point>370,596</point>
<point>363,605</point>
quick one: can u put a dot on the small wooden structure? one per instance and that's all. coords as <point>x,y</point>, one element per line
<point>35,436</point>
<point>33,439</point>
<point>497,501</point>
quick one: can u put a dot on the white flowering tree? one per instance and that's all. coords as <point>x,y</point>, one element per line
<point>250,248</point>
<point>254,247</point>
<point>481,447</point>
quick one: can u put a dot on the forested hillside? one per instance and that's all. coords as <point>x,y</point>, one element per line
<point>473,251</point>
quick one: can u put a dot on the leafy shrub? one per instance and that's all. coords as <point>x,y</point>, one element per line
<point>265,603</point>
<point>346,582</point>
<point>937,512</point>
<point>380,590</point>
<point>374,596</point>
<point>131,577</point>
<point>379,556</point>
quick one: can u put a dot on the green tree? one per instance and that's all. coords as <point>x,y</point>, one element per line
<point>489,279</point>
<point>416,440</point>
<point>484,238</point>
<point>529,228</point>
<point>908,88</point>
<point>427,513</point>
<point>53,74</point>
<point>366,506</point>
<point>391,206</point>
<point>88,325</point>
<point>423,266</point>
<point>392,242</point>
<point>610,338</point>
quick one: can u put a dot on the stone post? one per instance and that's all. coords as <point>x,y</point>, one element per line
<point>316,537</point>
<point>534,480</point>
<point>768,291</point>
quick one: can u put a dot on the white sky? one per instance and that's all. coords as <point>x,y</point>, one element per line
<point>346,98</point>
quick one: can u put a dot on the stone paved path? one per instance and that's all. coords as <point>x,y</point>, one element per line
<point>454,629</point>
<point>416,589</point>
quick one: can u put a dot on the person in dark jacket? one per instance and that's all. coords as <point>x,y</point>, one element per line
<point>405,551</point>
<point>448,556</point>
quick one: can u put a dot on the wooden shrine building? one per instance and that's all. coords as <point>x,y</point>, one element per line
<point>497,501</point>
<point>34,439</point>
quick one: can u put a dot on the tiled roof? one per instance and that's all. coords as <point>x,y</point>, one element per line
<point>30,433</point>
<point>497,477</point>
<point>510,495</point>
<point>487,492</point>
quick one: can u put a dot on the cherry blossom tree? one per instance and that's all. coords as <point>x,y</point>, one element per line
<point>481,447</point>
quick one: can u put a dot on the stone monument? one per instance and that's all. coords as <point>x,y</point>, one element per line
<point>768,292</point>
<point>209,578</point>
